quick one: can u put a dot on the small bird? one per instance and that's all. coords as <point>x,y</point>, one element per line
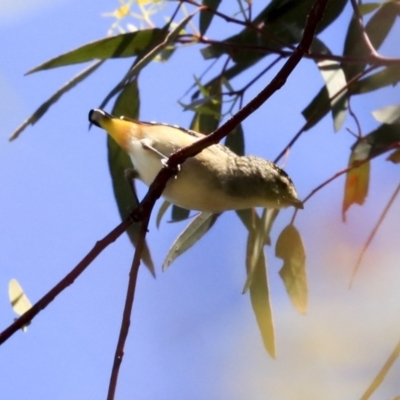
<point>215,180</point>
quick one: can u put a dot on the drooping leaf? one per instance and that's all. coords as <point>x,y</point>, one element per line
<point>207,16</point>
<point>197,228</point>
<point>55,97</point>
<point>126,104</point>
<point>335,81</point>
<point>250,220</point>
<point>260,300</point>
<point>290,249</point>
<point>258,236</point>
<point>357,183</point>
<point>387,114</point>
<point>123,45</point>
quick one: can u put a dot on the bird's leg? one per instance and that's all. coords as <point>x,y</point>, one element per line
<point>164,158</point>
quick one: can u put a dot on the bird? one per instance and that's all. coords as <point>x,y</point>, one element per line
<point>215,180</point>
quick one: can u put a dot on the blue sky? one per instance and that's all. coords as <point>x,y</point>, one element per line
<point>193,335</point>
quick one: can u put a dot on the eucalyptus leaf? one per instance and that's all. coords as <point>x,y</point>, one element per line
<point>119,46</point>
<point>290,248</point>
<point>54,98</point>
<point>261,302</point>
<point>197,228</point>
<point>126,104</point>
<point>388,114</point>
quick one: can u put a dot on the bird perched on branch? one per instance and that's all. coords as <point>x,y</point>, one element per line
<point>214,180</point>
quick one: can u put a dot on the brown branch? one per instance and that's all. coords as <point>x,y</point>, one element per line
<point>365,37</point>
<point>66,281</point>
<point>130,296</point>
<point>142,212</point>
<point>371,59</point>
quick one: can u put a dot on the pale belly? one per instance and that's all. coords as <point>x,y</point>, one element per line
<point>194,187</point>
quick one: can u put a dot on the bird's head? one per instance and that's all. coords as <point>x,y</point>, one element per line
<point>122,131</point>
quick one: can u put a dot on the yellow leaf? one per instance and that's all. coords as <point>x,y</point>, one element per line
<point>356,186</point>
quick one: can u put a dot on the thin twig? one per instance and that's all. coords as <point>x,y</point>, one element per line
<point>357,122</point>
<point>130,296</point>
<point>66,281</point>
<point>365,37</point>
<point>382,373</point>
<point>373,233</point>
<point>318,112</point>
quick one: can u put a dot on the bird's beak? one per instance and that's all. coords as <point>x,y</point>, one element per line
<point>120,130</point>
<point>97,117</point>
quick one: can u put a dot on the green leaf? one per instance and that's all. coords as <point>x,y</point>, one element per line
<point>146,55</point>
<point>388,114</point>
<point>207,16</point>
<point>250,220</point>
<point>356,186</point>
<point>290,248</point>
<point>55,97</point>
<point>197,228</point>
<point>388,76</point>
<point>335,81</point>
<point>381,140</point>
<point>328,98</point>
<point>164,207</point>
<point>126,104</point>
<point>123,45</point>
<point>260,299</point>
